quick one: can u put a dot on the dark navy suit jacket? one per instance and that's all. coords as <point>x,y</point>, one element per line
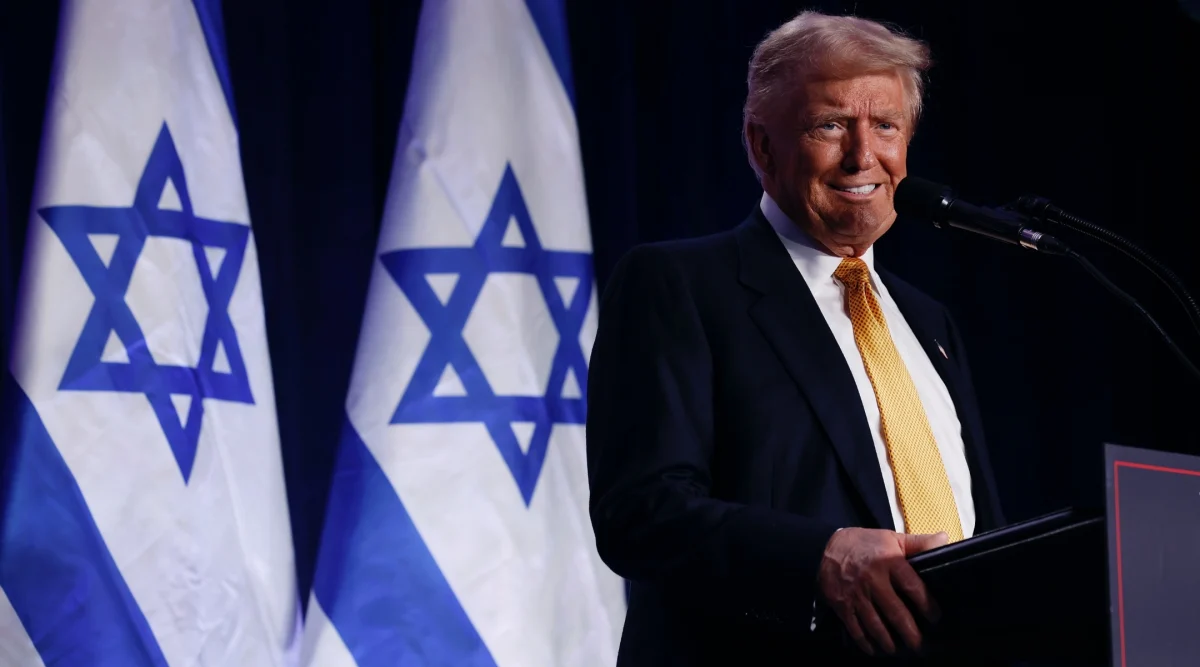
<point>727,442</point>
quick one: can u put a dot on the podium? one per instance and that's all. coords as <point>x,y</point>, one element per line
<point>1034,591</point>
<point>1118,585</point>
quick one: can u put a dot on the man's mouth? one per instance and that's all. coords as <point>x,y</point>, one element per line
<point>857,190</point>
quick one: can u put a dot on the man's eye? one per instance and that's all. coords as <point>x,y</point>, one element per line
<point>829,126</point>
<point>887,126</point>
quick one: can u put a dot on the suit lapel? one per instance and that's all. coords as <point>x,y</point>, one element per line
<point>927,324</point>
<point>792,323</point>
<point>930,327</point>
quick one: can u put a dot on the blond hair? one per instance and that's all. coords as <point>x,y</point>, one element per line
<point>835,46</point>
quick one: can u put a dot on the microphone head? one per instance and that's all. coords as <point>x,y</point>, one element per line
<point>1038,208</point>
<point>924,199</point>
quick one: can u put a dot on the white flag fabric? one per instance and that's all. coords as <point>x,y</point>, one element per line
<point>457,531</point>
<point>145,520</point>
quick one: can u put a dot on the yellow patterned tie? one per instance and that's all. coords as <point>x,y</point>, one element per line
<point>922,487</point>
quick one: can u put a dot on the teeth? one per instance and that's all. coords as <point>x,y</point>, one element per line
<point>860,190</point>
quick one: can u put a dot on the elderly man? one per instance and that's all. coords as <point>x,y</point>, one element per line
<point>775,422</point>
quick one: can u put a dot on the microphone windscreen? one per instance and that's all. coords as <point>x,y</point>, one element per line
<point>922,199</point>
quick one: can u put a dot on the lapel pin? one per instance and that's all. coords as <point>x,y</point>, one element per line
<point>941,349</point>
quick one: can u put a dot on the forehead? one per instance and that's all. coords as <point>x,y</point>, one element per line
<point>863,94</point>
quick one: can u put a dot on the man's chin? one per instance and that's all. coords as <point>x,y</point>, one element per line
<point>859,232</point>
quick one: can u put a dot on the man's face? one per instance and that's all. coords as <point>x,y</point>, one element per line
<point>837,156</point>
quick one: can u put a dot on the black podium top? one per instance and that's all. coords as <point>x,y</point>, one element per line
<point>1036,590</point>
<point>1032,592</point>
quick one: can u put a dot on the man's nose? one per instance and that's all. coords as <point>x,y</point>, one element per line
<point>859,151</point>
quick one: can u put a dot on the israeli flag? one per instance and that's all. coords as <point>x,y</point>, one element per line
<point>457,531</point>
<point>143,519</point>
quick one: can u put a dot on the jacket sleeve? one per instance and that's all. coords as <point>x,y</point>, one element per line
<point>650,442</point>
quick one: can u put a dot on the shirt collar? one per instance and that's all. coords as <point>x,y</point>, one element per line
<point>814,262</point>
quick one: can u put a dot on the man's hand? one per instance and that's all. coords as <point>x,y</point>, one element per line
<point>860,574</point>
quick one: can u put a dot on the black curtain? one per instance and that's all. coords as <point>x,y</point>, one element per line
<point>319,87</point>
<point>6,289</point>
<point>27,32</point>
<point>1085,103</point>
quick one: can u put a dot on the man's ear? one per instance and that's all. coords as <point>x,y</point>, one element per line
<point>759,145</point>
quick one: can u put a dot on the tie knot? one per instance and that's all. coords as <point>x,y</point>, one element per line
<point>853,272</point>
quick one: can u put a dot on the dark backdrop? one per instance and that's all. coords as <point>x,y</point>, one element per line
<point>1085,103</point>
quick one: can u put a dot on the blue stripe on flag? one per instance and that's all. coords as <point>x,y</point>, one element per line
<point>550,16</point>
<point>211,23</point>
<point>377,581</point>
<point>54,565</point>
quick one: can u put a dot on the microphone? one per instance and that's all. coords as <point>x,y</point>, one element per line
<point>1043,211</point>
<point>938,203</point>
<point>926,199</point>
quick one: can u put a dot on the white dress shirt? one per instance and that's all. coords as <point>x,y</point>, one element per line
<point>817,267</point>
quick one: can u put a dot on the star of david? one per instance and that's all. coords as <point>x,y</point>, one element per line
<point>111,318</point>
<point>447,347</point>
